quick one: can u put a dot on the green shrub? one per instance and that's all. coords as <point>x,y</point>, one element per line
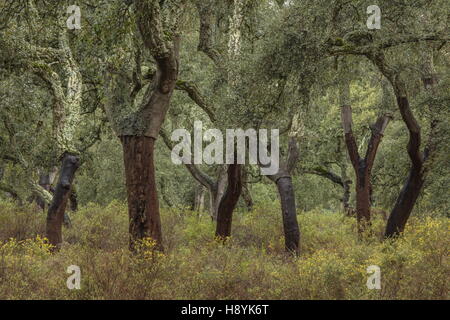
<point>252,264</point>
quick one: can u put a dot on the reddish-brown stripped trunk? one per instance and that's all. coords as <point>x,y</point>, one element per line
<point>363,166</point>
<point>143,206</point>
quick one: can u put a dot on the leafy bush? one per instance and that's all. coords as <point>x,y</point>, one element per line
<point>250,265</point>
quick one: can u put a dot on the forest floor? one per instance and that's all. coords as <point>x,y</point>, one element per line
<point>251,265</point>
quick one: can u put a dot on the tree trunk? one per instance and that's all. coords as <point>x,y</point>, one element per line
<point>55,215</point>
<point>363,166</point>
<point>413,185</point>
<point>44,182</point>
<point>283,181</point>
<point>247,196</point>
<point>346,181</point>
<point>346,194</point>
<point>216,193</point>
<point>362,197</point>
<point>229,201</point>
<point>73,200</point>
<point>199,199</point>
<point>289,214</point>
<point>143,206</point>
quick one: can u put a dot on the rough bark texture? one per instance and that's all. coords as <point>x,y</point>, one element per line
<point>143,206</point>
<point>157,23</point>
<point>55,215</point>
<point>229,201</point>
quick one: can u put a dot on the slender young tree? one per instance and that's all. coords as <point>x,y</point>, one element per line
<point>362,166</point>
<point>419,160</point>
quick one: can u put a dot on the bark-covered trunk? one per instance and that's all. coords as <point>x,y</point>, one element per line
<point>45,183</point>
<point>247,196</point>
<point>289,213</point>
<point>346,194</point>
<point>412,187</point>
<point>405,203</point>
<point>143,206</point>
<point>199,199</point>
<point>283,181</point>
<point>346,181</point>
<point>362,197</point>
<point>138,126</point>
<point>216,193</point>
<point>73,200</point>
<point>414,183</point>
<point>363,166</point>
<point>57,208</point>
<point>229,201</point>
<point>416,177</point>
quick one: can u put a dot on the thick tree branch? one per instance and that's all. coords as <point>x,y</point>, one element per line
<point>375,139</point>
<point>194,93</point>
<point>196,173</point>
<point>344,47</point>
<point>326,174</point>
<point>206,35</point>
<point>158,22</point>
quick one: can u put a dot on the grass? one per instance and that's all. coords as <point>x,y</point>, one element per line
<point>251,265</point>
